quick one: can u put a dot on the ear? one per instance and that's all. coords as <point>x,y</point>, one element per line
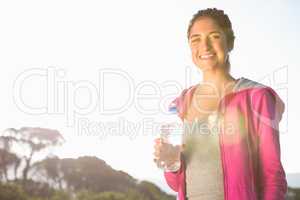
<point>230,45</point>
<point>227,56</point>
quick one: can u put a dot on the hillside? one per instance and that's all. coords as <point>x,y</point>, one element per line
<point>84,178</point>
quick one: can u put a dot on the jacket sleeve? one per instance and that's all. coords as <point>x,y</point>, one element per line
<point>268,109</point>
<point>175,179</point>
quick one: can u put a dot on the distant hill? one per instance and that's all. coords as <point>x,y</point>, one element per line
<point>95,175</point>
<point>293,180</point>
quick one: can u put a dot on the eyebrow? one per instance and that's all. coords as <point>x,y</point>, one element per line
<point>197,35</point>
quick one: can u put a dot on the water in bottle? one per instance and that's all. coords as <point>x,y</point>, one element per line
<point>171,138</point>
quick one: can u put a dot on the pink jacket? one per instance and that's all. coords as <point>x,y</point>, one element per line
<point>250,155</point>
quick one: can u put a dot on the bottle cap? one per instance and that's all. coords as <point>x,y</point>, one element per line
<point>172,109</point>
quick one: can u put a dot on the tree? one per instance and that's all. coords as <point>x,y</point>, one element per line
<point>27,141</point>
<point>152,191</point>
<point>93,174</point>
<point>51,170</point>
<point>98,181</point>
<point>8,159</point>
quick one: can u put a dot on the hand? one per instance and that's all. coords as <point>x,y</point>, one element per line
<point>166,152</point>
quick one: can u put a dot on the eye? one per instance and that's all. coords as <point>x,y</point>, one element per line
<point>215,36</point>
<point>196,40</point>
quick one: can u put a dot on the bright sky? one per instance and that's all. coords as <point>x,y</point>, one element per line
<point>87,68</point>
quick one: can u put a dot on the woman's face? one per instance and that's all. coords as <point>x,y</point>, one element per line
<point>208,44</point>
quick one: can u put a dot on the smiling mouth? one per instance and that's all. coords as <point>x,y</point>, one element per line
<point>207,56</point>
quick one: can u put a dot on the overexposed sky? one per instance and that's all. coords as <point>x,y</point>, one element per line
<point>91,68</point>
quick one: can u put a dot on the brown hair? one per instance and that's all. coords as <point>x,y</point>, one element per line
<point>220,18</point>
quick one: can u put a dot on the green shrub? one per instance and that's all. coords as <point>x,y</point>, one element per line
<point>10,191</point>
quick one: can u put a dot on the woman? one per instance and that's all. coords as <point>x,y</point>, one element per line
<point>241,158</point>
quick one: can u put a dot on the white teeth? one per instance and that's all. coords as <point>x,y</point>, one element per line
<point>207,56</point>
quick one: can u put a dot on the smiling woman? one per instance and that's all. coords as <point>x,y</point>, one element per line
<point>208,44</point>
<point>241,158</point>
<point>210,39</point>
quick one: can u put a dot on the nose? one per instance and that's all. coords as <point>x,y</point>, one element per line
<point>205,44</point>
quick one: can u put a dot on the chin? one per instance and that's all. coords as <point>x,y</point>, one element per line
<point>206,67</point>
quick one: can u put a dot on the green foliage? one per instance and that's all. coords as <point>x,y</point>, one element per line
<point>293,194</point>
<point>92,177</point>
<point>86,195</point>
<point>37,189</point>
<point>111,195</point>
<point>135,195</point>
<point>152,191</point>
<point>85,173</point>
<point>11,191</point>
<point>15,192</point>
<point>61,195</point>
<point>32,141</point>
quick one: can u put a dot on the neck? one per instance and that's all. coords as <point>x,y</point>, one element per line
<point>219,80</point>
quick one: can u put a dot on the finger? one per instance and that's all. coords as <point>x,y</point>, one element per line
<point>158,145</point>
<point>156,160</point>
<point>157,154</point>
<point>180,147</point>
<point>158,140</point>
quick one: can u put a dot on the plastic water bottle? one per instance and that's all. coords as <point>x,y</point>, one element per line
<point>171,136</point>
